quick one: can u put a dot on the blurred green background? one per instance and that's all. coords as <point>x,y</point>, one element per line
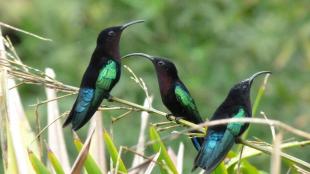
<point>213,43</point>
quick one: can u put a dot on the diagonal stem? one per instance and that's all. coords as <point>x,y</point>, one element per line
<point>269,151</point>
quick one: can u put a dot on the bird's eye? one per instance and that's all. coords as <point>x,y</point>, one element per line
<point>161,63</point>
<point>111,33</point>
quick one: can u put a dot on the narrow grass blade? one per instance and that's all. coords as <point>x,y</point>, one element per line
<point>141,141</point>
<point>37,165</point>
<point>97,146</point>
<point>15,128</point>
<point>180,158</point>
<point>152,164</point>
<point>246,168</point>
<point>146,166</point>
<point>79,162</point>
<point>164,158</point>
<point>172,155</point>
<point>8,156</point>
<point>57,166</point>
<point>55,132</point>
<point>89,164</point>
<point>20,130</point>
<point>113,152</point>
<point>259,95</point>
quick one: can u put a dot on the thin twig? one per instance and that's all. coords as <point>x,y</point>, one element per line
<point>283,155</point>
<point>38,128</point>
<point>139,154</point>
<point>165,123</point>
<point>50,100</point>
<point>273,131</point>
<point>39,134</point>
<point>115,119</point>
<point>239,161</point>
<point>140,82</point>
<point>23,31</point>
<point>167,128</point>
<point>276,155</point>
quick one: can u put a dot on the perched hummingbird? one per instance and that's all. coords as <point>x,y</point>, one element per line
<point>174,94</point>
<point>220,139</point>
<point>102,73</point>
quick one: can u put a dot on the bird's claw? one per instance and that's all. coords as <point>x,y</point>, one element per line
<point>177,120</point>
<point>109,98</point>
<point>168,116</point>
<point>238,140</point>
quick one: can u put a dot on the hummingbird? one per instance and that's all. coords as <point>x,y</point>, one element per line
<point>220,139</point>
<point>101,75</point>
<point>174,94</point>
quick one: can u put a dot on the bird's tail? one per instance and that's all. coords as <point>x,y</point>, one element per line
<point>79,119</point>
<point>214,149</point>
<point>70,117</point>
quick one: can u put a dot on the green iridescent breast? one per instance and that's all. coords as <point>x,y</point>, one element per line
<point>106,75</point>
<point>235,127</point>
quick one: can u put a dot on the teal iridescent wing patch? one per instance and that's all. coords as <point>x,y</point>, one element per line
<point>214,149</point>
<point>84,99</point>
<point>107,75</point>
<point>235,127</point>
<point>184,97</point>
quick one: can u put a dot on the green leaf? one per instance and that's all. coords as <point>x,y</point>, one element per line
<point>113,152</point>
<point>90,164</point>
<point>37,165</point>
<point>54,161</point>
<point>220,169</point>
<point>245,168</point>
<point>164,158</point>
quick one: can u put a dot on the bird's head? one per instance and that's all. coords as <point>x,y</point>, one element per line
<point>240,92</point>
<point>164,67</point>
<point>108,39</point>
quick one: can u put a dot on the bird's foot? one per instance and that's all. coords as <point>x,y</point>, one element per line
<point>238,140</point>
<point>109,98</point>
<point>168,116</point>
<point>177,120</point>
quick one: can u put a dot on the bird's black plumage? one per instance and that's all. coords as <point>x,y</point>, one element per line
<point>174,93</point>
<point>220,139</point>
<point>101,75</point>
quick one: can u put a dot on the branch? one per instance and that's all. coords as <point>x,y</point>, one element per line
<point>269,152</point>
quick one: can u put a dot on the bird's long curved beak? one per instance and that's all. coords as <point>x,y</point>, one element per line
<point>151,58</point>
<point>251,79</point>
<point>131,23</point>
